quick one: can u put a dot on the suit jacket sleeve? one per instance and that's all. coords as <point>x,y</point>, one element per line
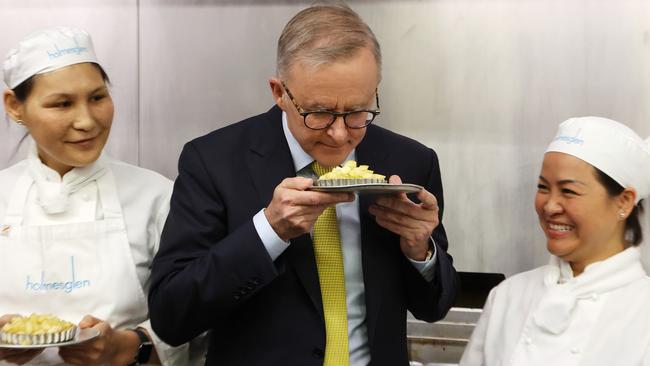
<point>430,301</point>
<point>203,271</point>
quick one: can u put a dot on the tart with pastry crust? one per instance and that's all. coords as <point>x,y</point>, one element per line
<point>37,329</point>
<point>350,174</point>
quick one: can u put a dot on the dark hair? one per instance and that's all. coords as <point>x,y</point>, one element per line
<point>632,223</point>
<point>23,89</point>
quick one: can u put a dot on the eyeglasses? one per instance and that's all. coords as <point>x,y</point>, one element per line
<point>322,119</point>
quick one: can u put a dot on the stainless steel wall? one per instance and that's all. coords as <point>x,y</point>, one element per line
<point>484,83</point>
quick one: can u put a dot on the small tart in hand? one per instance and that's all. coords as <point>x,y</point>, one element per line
<point>349,174</point>
<point>37,329</point>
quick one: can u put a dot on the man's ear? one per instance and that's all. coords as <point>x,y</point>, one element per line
<point>278,91</point>
<point>13,106</point>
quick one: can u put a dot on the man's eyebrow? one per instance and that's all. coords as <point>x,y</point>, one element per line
<point>316,106</point>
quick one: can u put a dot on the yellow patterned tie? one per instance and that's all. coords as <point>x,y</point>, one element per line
<point>329,259</point>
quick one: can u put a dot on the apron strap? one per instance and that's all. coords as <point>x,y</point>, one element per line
<point>18,201</point>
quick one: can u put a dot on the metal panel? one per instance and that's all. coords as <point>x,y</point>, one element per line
<point>444,341</point>
<point>484,83</point>
<point>203,67</point>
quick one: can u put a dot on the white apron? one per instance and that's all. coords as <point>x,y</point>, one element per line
<point>69,270</point>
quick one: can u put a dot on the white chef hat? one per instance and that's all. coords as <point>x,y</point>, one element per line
<point>611,147</point>
<point>47,50</point>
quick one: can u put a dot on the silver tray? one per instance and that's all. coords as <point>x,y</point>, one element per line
<point>370,188</point>
<point>83,335</point>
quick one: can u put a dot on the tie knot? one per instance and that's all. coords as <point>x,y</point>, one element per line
<point>319,169</point>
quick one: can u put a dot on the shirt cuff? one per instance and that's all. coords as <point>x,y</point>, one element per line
<point>426,267</point>
<point>272,242</point>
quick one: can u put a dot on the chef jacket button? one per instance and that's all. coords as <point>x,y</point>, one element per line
<point>594,297</point>
<point>528,341</point>
<point>85,197</point>
<point>575,350</point>
<point>318,353</point>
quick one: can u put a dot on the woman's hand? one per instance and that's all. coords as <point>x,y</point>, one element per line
<point>16,355</point>
<point>112,347</point>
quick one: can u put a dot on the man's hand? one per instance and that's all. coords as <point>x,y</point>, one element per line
<point>293,210</point>
<point>16,355</point>
<point>413,222</point>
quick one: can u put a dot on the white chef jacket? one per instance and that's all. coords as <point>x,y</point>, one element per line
<point>605,328</point>
<point>144,197</point>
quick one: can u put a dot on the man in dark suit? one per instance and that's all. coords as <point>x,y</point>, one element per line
<point>239,256</point>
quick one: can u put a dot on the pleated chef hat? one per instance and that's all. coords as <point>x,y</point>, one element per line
<point>609,146</point>
<point>47,50</point>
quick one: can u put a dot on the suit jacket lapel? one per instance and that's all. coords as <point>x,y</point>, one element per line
<point>269,159</point>
<point>269,162</point>
<point>370,153</point>
<point>301,256</point>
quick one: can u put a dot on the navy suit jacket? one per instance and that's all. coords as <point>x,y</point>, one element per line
<point>212,271</point>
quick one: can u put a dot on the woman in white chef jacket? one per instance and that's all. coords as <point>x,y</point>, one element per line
<point>591,304</point>
<point>78,230</point>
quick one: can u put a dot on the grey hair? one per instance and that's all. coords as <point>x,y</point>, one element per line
<point>322,34</point>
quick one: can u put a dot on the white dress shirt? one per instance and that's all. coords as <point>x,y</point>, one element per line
<point>348,218</point>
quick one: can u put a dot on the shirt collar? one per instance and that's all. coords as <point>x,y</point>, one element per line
<point>300,158</point>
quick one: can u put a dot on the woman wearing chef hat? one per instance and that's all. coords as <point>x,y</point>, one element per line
<point>591,304</point>
<point>78,230</point>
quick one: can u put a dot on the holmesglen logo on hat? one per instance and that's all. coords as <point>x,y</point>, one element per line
<point>571,139</point>
<point>66,51</point>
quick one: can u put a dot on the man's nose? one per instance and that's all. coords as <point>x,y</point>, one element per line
<point>338,131</point>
